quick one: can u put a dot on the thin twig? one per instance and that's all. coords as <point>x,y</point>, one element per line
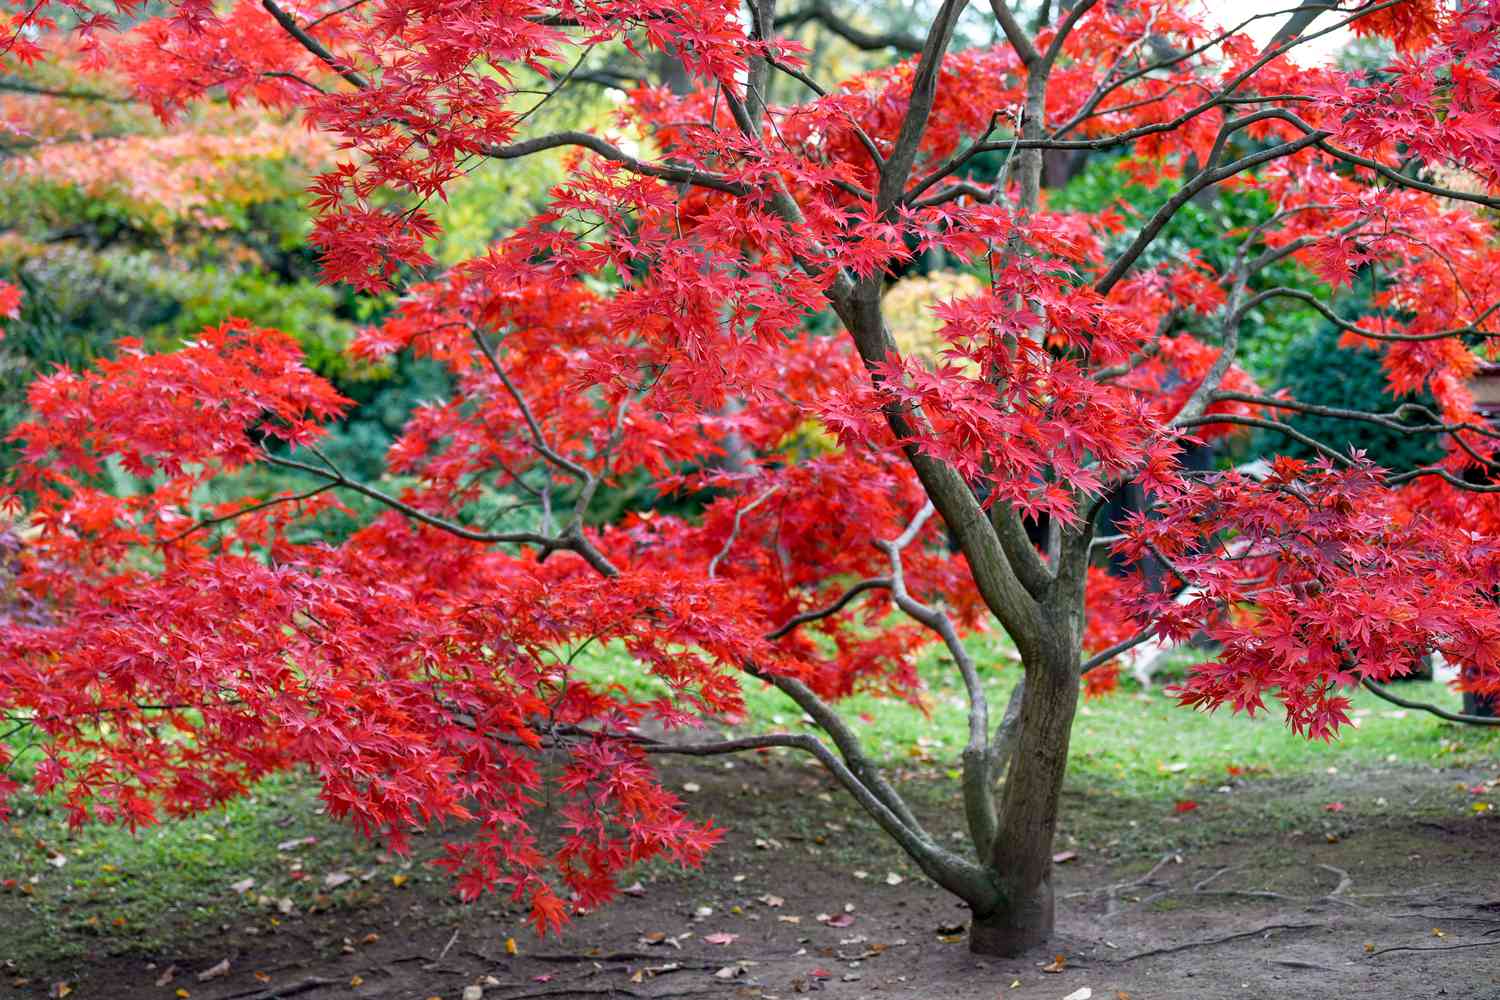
<point>734,532</point>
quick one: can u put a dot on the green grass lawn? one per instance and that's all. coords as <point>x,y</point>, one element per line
<point>1138,743</point>
<point>1135,754</point>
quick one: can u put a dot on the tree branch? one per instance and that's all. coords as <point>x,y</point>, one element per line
<point>311,44</point>
<point>821,11</point>
<point>1015,34</point>
<point>573,541</point>
<point>978,782</point>
<point>797,621</point>
<point>919,106</point>
<point>64,93</point>
<point>1382,692</point>
<point>734,532</point>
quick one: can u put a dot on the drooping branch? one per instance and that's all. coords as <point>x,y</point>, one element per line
<point>797,621</point>
<point>1390,420</point>
<point>1472,329</point>
<point>1326,450</point>
<point>964,879</point>
<point>1439,472</point>
<point>1380,691</point>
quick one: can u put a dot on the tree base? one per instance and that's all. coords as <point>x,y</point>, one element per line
<point>1013,931</point>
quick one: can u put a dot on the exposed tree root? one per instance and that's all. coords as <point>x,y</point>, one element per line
<point>1213,941</point>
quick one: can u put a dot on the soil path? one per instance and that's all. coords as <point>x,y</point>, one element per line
<point>1408,909</point>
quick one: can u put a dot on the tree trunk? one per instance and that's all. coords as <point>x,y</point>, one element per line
<point>1021,858</point>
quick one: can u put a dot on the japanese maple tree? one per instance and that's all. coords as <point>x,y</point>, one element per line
<point>700,301</point>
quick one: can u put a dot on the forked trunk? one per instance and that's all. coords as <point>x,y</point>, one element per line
<point>1021,859</point>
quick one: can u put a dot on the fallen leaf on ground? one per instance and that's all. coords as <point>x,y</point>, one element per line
<point>774,902</point>
<point>1184,806</point>
<point>722,937</point>
<point>335,879</point>
<point>892,878</point>
<point>222,969</point>
<point>292,845</point>
<point>510,947</point>
<point>243,885</point>
<point>1057,964</point>
<point>634,890</point>
<point>728,972</point>
<point>1082,993</point>
<point>1063,857</point>
<point>1334,807</point>
<point>473,993</point>
<point>166,975</point>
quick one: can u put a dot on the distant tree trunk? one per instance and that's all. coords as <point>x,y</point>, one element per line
<point>1485,706</point>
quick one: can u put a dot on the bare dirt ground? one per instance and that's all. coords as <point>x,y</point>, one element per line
<point>803,898</point>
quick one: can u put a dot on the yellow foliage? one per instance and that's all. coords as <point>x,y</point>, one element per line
<point>909,304</point>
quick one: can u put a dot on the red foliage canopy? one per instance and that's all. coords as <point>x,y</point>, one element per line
<point>652,321</point>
